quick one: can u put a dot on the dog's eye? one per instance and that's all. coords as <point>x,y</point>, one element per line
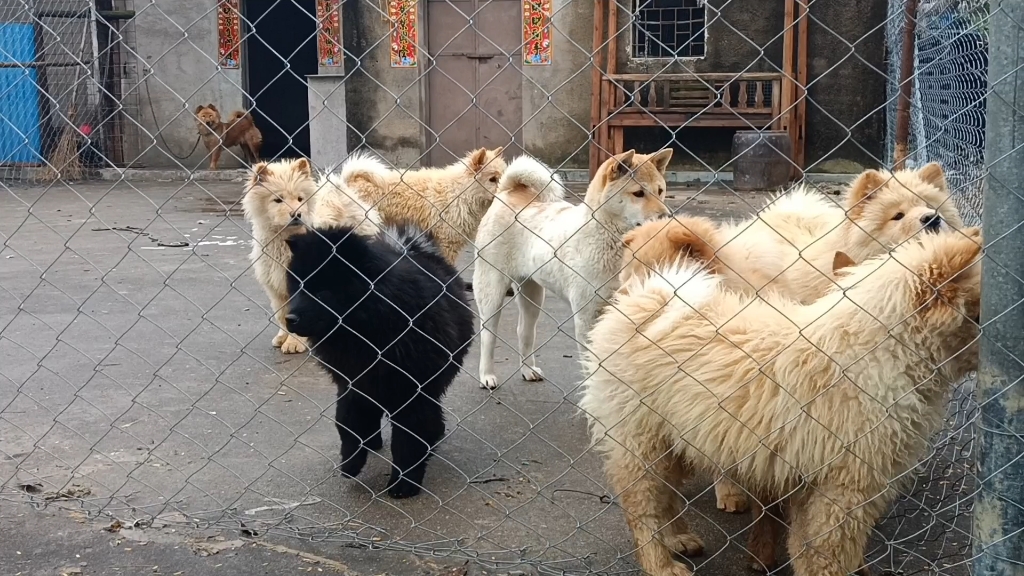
<point>492,179</point>
<point>639,193</point>
<point>300,198</point>
<point>278,200</point>
<point>898,216</point>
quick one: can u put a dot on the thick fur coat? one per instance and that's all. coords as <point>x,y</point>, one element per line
<point>535,240</point>
<point>448,201</point>
<point>830,404</point>
<point>281,199</point>
<point>388,318</point>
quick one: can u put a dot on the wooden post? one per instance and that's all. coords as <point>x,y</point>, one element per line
<point>595,85</point>
<point>803,23</point>
<point>906,84</point>
<point>788,89</point>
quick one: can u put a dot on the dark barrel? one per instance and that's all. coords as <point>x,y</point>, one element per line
<point>761,160</point>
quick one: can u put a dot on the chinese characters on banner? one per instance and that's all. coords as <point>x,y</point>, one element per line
<point>328,17</point>
<point>404,33</point>
<point>536,32</point>
<point>229,34</point>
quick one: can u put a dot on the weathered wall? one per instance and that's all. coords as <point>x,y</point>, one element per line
<point>384,104</point>
<point>177,40</point>
<point>556,98</point>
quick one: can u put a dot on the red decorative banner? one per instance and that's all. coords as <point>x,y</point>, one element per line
<point>404,33</point>
<point>536,32</point>
<point>229,34</point>
<point>329,38</point>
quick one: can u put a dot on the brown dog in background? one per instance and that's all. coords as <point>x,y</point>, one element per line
<point>239,130</point>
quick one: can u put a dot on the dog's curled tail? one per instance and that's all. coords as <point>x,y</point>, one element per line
<point>367,167</point>
<point>526,180</point>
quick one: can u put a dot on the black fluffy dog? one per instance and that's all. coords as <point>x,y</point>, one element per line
<point>388,318</point>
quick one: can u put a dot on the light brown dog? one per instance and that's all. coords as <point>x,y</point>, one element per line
<point>239,130</point>
<point>829,404</point>
<point>282,198</point>
<point>449,201</point>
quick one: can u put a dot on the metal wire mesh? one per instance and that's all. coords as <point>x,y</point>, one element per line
<point>137,378</point>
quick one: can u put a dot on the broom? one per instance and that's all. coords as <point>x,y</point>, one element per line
<point>64,163</point>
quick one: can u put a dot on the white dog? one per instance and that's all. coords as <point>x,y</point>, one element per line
<point>534,239</point>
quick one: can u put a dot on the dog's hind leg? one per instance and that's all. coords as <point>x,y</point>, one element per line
<point>644,484</point>
<point>415,430</point>
<point>829,528</point>
<point>489,286</point>
<point>765,535</point>
<point>357,419</point>
<point>531,301</point>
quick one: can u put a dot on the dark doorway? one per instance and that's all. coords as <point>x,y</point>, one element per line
<point>280,52</point>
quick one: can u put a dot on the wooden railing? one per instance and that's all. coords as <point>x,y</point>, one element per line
<point>745,100</point>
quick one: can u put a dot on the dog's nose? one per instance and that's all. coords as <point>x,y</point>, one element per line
<point>931,222</point>
<point>291,319</point>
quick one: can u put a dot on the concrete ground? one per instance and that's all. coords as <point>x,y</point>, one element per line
<point>147,426</point>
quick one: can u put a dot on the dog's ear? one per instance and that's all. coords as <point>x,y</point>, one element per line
<point>621,165</point>
<point>302,167</point>
<point>478,159</point>
<point>199,109</point>
<point>630,237</point>
<point>496,152</point>
<point>212,107</point>
<point>689,244</point>
<point>260,172</point>
<point>840,261</point>
<point>864,186</point>
<point>933,174</point>
<point>661,160</point>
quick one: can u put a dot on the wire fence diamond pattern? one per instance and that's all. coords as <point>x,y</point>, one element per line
<point>716,379</point>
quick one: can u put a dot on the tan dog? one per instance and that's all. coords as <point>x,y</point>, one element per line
<point>789,247</point>
<point>281,198</point>
<point>830,403</point>
<point>239,130</point>
<point>532,238</point>
<point>449,201</point>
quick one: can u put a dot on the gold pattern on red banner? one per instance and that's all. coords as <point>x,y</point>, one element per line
<point>328,15</point>
<point>404,33</point>
<point>536,32</point>
<point>229,34</point>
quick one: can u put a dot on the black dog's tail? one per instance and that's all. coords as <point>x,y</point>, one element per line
<point>412,239</point>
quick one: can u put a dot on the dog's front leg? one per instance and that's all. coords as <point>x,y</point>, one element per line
<point>215,156</point>
<point>829,528</point>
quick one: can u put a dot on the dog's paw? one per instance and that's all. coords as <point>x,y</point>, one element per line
<point>403,488</point>
<point>685,544</point>
<point>532,374</point>
<point>731,499</point>
<point>354,465</point>
<point>489,381</point>
<point>279,339</point>
<point>294,345</point>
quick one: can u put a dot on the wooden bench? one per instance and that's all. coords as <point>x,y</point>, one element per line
<point>748,101</point>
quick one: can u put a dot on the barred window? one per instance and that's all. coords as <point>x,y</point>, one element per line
<point>668,28</point>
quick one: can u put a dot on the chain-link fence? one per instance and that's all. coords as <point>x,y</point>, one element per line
<point>179,355</point>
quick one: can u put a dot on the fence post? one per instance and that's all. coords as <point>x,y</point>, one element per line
<point>999,505</point>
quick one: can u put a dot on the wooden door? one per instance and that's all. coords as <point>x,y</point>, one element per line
<point>474,79</point>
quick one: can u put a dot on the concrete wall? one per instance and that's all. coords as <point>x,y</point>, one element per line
<point>177,41</point>
<point>385,111</point>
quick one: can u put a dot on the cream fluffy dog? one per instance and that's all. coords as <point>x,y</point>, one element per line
<point>830,403</point>
<point>280,199</point>
<point>532,238</point>
<point>449,201</point>
<point>789,247</point>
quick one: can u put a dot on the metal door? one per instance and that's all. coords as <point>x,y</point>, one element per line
<point>475,94</point>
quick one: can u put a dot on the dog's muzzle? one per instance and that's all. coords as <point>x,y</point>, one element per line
<point>931,222</point>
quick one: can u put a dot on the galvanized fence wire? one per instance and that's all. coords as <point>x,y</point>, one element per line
<point>137,380</point>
